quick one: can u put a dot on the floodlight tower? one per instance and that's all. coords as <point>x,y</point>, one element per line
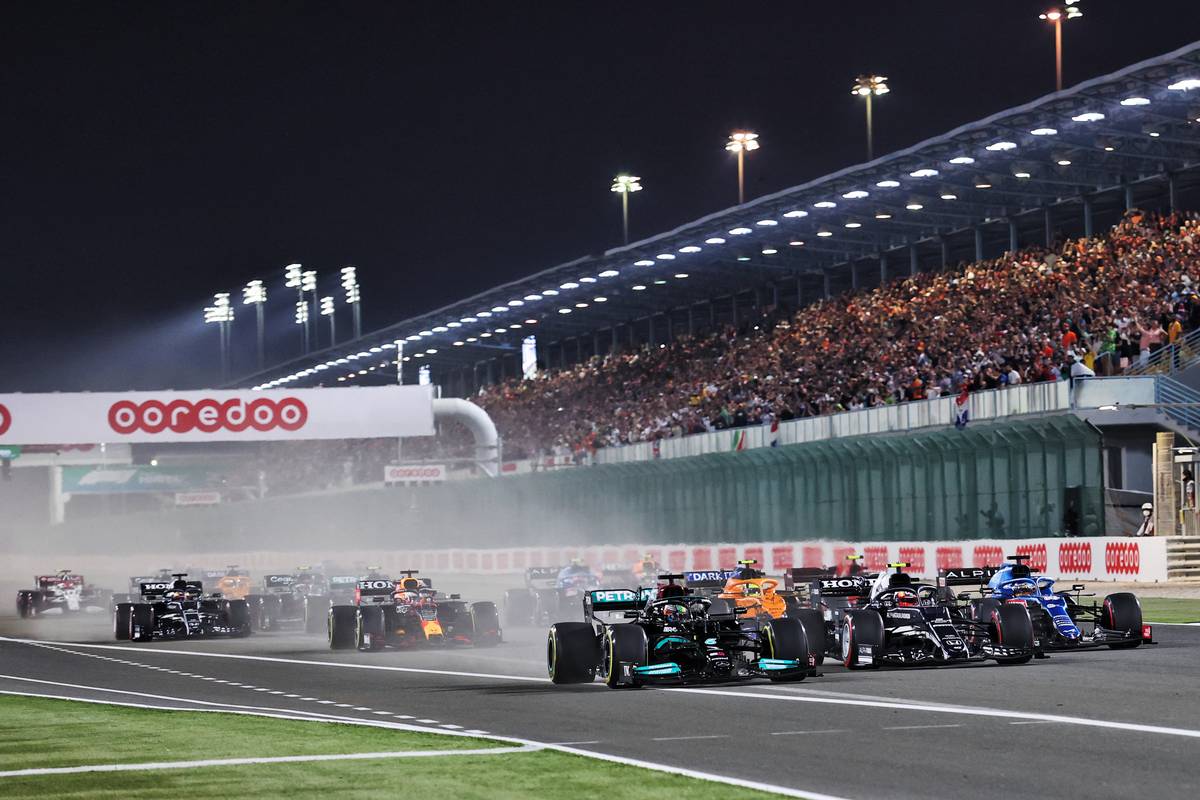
<point>255,293</point>
<point>308,285</point>
<point>220,313</point>
<point>1057,15</point>
<point>353,298</point>
<point>742,142</point>
<point>294,279</point>
<point>625,185</point>
<point>870,86</point>
<point>327,311</point>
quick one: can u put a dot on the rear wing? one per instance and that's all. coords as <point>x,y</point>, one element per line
<point>543,575</point>
<point>967,576</point>
<point>278,581</point>
<point>615,600</point>
<point>804,576</point>
<point>159,588</point>
<point>343,581</point>
<point>849,586</point>
<point>53,580</point>
<point>375,587</point>
<point>707,579</point>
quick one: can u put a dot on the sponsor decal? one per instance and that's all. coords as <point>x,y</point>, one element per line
<point>875,558</point>
<point>949,557</point>
<point>614,596</point>
<point>812,556</point>
<point>370,585</point>
<point>987,555</point>
<point>702,558</point>
<point>1122,558</point>
<point>915,556</point>
<point>726,557</point>
<point>677,560</point>
<point>5,419</point>
<point>707,575</point>
<point>207,415</point>
<point>1075,557</point>
<point>420,473</point>
<point>782,557</point>
<point>1037,555</point>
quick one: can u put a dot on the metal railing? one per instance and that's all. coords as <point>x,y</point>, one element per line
<point>1163,360</point>
<point>1178,401</point>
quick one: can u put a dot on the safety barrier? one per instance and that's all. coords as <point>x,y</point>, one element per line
<point>1183,557</point>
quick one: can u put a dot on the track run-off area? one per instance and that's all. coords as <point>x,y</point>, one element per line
<point>1090,724</point>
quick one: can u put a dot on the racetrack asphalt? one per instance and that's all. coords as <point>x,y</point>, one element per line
<point>1121,723</point>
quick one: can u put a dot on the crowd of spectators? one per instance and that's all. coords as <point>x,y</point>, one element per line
<point>1091,306</point>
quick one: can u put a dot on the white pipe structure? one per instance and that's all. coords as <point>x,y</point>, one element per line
<point>477,421</point>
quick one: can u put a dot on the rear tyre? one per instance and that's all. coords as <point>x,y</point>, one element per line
<point>26,604</point>
<point>237,615</point>
<point>258,617</point>
<point>622,643</point>
<point>518,608</point>
<point>371,631</point>
<point>316,610</point>
<point>572,653</point>
<point>547,607</point>
<point>786,639</point>
<point>814,631</point>
<point>342,627</point>
<point>122,615</point>
<point>141,627</point>
<point>1123,612</point>
<point>485,618</point>
<point>862,628</point>
<point>1012,627</point>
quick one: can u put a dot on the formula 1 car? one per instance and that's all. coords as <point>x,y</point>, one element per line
<point>892,619</point>
<point>179,609</point>
<point>410,613</point>
<point>1060,620</point>
<point>65,591</point>
<point>299,600</point>
<point>550,594</point>
<point>236,583</point>
<point>672,637</point>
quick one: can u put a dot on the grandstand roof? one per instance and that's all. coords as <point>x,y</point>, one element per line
<point>1127,129</point>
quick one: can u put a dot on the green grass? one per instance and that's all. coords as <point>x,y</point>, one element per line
<point>37,732</point>
<point>1170,609</point>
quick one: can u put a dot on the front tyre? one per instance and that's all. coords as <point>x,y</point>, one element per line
<point>571,652</point>
<point>122,616</point>
<point>785,638</point>
<point>141,627</point>
<point>485,621</point>
<point>814,631</point>
<point>342,627</point>
<point>1012,627</point>
<point>862,633</point>
<point>622,644</point>
<point>1122,612</point>
<point>372,632</point>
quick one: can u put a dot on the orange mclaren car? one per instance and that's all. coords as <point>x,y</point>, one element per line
<point>749,589</point>
<point>235,584</point>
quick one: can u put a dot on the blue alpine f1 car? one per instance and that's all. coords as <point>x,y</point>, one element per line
<point>1062,620</point>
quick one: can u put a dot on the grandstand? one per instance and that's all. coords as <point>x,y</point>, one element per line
<point>1068,164</point>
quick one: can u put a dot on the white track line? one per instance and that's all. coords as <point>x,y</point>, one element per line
<point>665,768</point>
<point>234,762</point>
<point>976,711</point>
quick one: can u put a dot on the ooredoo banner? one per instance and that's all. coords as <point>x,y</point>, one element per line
<point>414,473</point>
<point>215,416</point>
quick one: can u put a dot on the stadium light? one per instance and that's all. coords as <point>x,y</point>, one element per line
<point>327,310</point>
<point>293,275</point>
<point>625,185</point>
<point>255,293</point>
<point>742,142</point>
<point>870,86</point>
<point>1056,16</point>
<point>220,313</point>
<point>353,297</point>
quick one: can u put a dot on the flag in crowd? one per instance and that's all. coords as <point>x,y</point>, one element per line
<point>962,409</point>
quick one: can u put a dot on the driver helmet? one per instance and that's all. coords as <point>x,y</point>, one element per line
<point>905,598</point>
<point>410,584</point>
<point>1023,588</point>
<point>751,589</point>
<point>676,612</point>
<point>670,590</point>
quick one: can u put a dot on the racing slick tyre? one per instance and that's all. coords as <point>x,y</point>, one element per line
<point>121,618</point>
<point>272,611</point>
<point>1122,612</point>
<point>572,652</point>
<point>371,633</point>
<point>622,643</point>
<point>258,617</point>
<point>546,607</point>
<point>141,622</point>
<point>237,615</point>
<point>342,627</point>
<point>785,638</point>
<point>27,603</point>
<point>862,628</point>
<point>814,631</point>
<point>518,608</point>
<point>485,618</point>
<point>316,610</point>
<point>1013,627</point>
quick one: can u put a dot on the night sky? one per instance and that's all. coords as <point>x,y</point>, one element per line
<point>155,153</point>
